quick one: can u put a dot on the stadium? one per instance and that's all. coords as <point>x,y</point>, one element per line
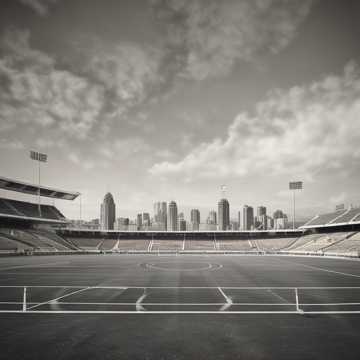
<point>179,179</point>
<point>111,291</point>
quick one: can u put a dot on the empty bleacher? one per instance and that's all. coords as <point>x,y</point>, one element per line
<point>108,244</point>
<point>350,244</point>
<point>166,245</point>
<point>8,244</point>
<point>86,243</point>
<point>137,244</point>
<point>274,244</point>
<point>325,218</point>
<point>236,245</point>
<point>349,215</point>
<point>199,244</point>
<point>27,209</point>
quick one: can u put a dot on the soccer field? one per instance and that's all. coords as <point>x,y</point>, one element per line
<point>179,307</point>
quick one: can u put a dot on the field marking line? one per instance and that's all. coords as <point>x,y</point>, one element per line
<point>188,287</point>
<point>277,295</point>
<point>36,265</point>
<point>138,305</point>
<point>186,312</point>
<point>187,304</point>
<point>58,298</point>
<point>227,299</point>
<point>322,269</point>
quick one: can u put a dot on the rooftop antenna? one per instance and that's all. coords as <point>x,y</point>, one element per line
<point>223,191</point>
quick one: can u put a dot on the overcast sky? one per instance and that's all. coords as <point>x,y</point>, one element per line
<point>168,100</point>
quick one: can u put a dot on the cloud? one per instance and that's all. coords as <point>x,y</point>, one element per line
<point>206,38</point>
<point>41,7</point>
<point>33,91</point>
<point>11,144</point>
<point>298,132</point>
<point>129,73</point>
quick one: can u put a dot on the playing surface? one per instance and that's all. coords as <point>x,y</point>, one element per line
<point>179,307</point>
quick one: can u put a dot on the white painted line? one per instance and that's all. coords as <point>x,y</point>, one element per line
<point>227,299</point>
<point>322,269</point>
<point>187,287</point>
<point>58,298</point>
<point>173,312</point>
<point>36,265</point>
<point>185,304</point>
<point>138,305</point>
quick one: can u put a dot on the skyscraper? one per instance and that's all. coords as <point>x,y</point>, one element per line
<point>107,213</point>
<point>195,219</point>
<point>173,217</point>
<point>224,214</point>
<point>160,215</point>
<point>239,220</point>
<point>248,217</point>
<point>211,220</point>
<point>262,218</point>
<point>139,221</point>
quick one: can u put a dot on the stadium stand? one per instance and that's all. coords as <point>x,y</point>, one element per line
<point>86,243</point>
<point>274,244</point>
<point>238,245</point>
<point>199,244</point>
<point>137,245</point>
<point>8,244</point>
<point>27,209</point>
<point>108,244</point>
<point>349,215</point>
<point>325,218</point>
<point>350,244</point>
<point>166,245</point>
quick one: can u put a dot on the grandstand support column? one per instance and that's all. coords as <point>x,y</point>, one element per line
<point>293,210</point>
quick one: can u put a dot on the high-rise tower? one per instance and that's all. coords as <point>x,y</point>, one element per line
<point>195,219</point>
<point>173,217</point>
<point>224,214</point>
<point>107,213</point>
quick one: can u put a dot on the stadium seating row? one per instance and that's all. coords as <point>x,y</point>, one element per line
<point>337,217</point>
<point>26,209</point>
<point>18,240</point>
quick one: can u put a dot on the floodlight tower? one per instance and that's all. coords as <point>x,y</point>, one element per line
<point>295,185</point>
<point>39,157</point>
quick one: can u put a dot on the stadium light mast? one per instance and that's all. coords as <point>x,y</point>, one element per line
<point>39,157</point>
<point>295,185</point>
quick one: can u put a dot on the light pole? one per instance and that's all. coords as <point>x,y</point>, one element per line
<point>39,157</point>
<point>295,185</point>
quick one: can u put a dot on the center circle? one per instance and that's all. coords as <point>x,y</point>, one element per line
<point>176,266</point>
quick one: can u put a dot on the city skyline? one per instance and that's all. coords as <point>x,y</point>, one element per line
<point>201,94</point>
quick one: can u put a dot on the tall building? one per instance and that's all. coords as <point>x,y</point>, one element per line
<point>224,214</point>
<point>239,219</point>
<point>261,218</point>
<point>107,213</point>
<point>146,219</point>
<point>139,221</point>
<point>173,217</point>
<point>160,215</point>
<point>248,217</point>
<point>195,219</point>
<point>122,224</point>
<point>211,218</point>
<point>182,224</point>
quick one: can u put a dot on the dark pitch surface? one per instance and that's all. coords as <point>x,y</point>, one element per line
<point>178,336</point>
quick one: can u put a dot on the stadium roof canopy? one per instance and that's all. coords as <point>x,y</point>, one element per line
<point>23,187</point>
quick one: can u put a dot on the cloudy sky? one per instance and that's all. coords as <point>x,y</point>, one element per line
<point>160,100</point>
